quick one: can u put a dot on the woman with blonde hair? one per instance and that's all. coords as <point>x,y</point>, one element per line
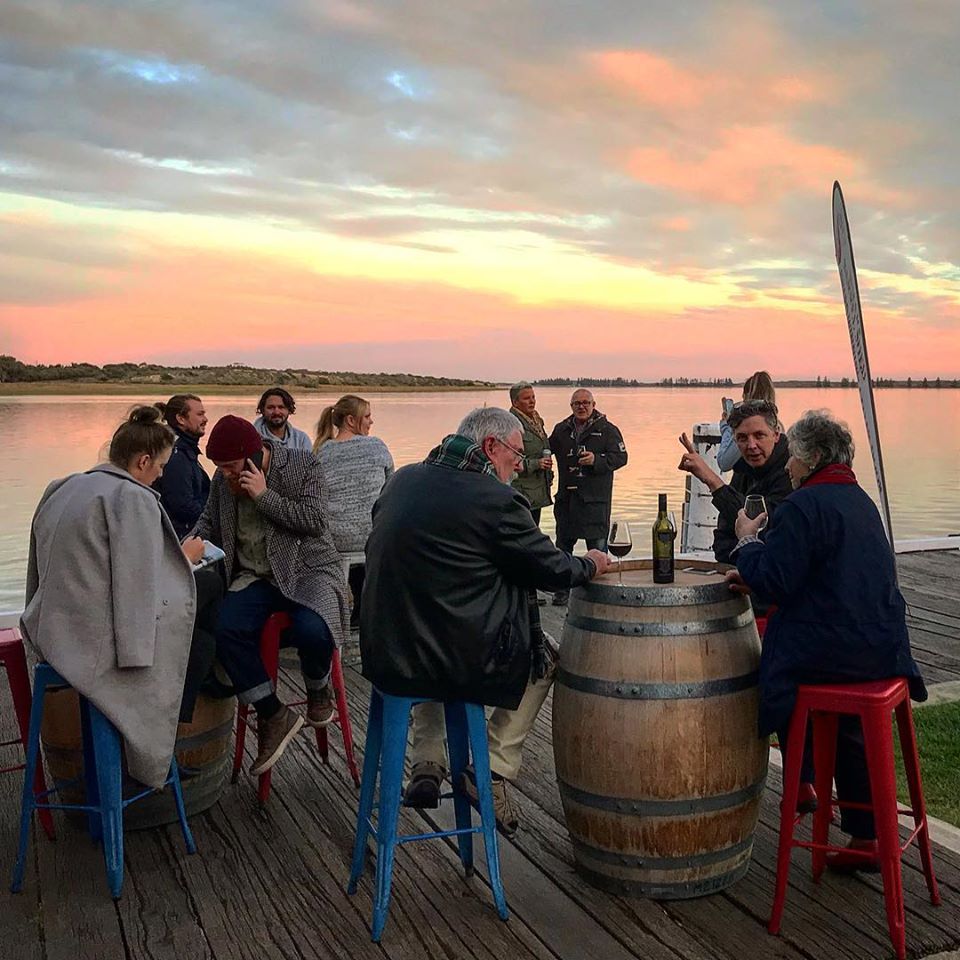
<point>355,468</point>
<point>758,386</point>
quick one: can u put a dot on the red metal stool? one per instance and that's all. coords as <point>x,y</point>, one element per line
<point>270,654</point>
<point>14,659</point>
<point>873,704</point>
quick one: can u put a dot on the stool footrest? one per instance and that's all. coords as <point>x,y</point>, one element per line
<point>438,834</point>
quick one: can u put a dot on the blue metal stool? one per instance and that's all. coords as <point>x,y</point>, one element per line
<point>385,750</point>
<point>103,779</point>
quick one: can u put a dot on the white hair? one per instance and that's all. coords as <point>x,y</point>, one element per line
<point>488,422</point>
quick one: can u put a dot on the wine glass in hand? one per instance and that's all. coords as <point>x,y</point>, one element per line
<point>619,543</point>
<point>753,506</point>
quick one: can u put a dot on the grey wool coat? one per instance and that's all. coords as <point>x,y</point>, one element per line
<point>303,559</point>
<point>110,606</point>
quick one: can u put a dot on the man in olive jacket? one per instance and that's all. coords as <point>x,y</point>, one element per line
<point>588,448</point>
<point>451,556</point>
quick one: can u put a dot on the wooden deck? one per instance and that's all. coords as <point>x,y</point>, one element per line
<point>270,885</point>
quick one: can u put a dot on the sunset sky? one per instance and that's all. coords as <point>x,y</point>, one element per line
<point>487,189</point>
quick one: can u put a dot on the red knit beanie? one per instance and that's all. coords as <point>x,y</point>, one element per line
<point>233,438</point>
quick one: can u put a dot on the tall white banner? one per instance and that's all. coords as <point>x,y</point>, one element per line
<point>858,342</point>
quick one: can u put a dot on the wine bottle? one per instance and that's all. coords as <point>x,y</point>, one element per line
<point>664,533</point>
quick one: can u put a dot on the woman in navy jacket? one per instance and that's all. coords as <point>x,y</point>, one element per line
<point>827,565</point>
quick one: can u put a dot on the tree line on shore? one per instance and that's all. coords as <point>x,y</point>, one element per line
<point>13,370</point>
<point>722,382</point>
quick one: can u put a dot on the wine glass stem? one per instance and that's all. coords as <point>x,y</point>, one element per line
<point>620,570</point>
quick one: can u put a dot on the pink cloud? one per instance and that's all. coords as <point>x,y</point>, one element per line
<point>745,165</point>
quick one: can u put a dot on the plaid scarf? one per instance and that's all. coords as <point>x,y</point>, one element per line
<point>461,453</point>
<point>535,422</point>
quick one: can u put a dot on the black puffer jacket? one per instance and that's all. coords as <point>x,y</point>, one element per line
<point>450,558</point>
<point>769,481</point>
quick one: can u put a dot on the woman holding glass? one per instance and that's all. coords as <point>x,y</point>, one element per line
<point>355,468</point>
<point>827,565</point>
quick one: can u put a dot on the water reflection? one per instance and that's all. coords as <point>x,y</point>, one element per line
<point>48,437</point>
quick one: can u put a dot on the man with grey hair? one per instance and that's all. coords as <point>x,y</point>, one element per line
<point>450,559</point>
<point>588,448</point>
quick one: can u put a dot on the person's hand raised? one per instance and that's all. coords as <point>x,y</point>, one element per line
<point>601,560</point>
<point>252,481</point>
<point>691,461</point>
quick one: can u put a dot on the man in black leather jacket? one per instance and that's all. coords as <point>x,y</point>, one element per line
<point>452,553</point>
<point>451,557</point>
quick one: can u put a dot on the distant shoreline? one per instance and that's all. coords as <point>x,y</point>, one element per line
<point>66,388</point>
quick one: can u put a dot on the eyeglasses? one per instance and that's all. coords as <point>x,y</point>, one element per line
<point>517,453</point>
<point>581,403</point>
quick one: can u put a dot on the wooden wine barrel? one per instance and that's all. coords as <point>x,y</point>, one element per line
<point>203,752</point>
<point>659,765</point>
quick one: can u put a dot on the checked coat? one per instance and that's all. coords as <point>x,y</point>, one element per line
<point>303,559</point>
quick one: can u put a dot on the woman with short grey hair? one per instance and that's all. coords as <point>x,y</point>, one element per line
<point>827,565</point>
<point>535,473</point>
<point>818,439</point>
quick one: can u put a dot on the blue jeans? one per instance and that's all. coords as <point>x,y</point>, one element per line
<point>242,616</point>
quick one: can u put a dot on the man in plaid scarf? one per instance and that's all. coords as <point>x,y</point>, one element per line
<point>453,553</point>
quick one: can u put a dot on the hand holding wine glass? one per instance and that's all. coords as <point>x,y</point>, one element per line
<point>752,518</point>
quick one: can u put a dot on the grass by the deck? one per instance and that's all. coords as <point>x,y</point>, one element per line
<point>938,741</point>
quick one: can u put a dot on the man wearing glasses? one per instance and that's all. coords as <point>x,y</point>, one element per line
<point>451,557</point>
<point>588,448</point>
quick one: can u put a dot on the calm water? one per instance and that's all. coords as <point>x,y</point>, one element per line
<point>47,437</point>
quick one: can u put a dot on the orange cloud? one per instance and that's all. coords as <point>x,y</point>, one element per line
<point>652,78</point>
<point>757,89</point>
<point>746,165</point>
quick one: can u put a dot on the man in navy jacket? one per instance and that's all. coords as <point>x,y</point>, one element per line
<point>184,486</point>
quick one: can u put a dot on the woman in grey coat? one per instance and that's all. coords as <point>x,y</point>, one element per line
<point>110,592</point>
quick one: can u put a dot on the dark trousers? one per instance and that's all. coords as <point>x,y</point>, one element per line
<point>535,513</point>
<point>203,647</point>
<point>242,616</point>
<point>593,543</point>
<point>356,576</point>
<point>850,773</point>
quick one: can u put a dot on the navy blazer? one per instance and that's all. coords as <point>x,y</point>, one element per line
<point>827,565</point>
<point>184,486</point>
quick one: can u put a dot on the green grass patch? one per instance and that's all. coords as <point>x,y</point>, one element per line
<point>938,740</point>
